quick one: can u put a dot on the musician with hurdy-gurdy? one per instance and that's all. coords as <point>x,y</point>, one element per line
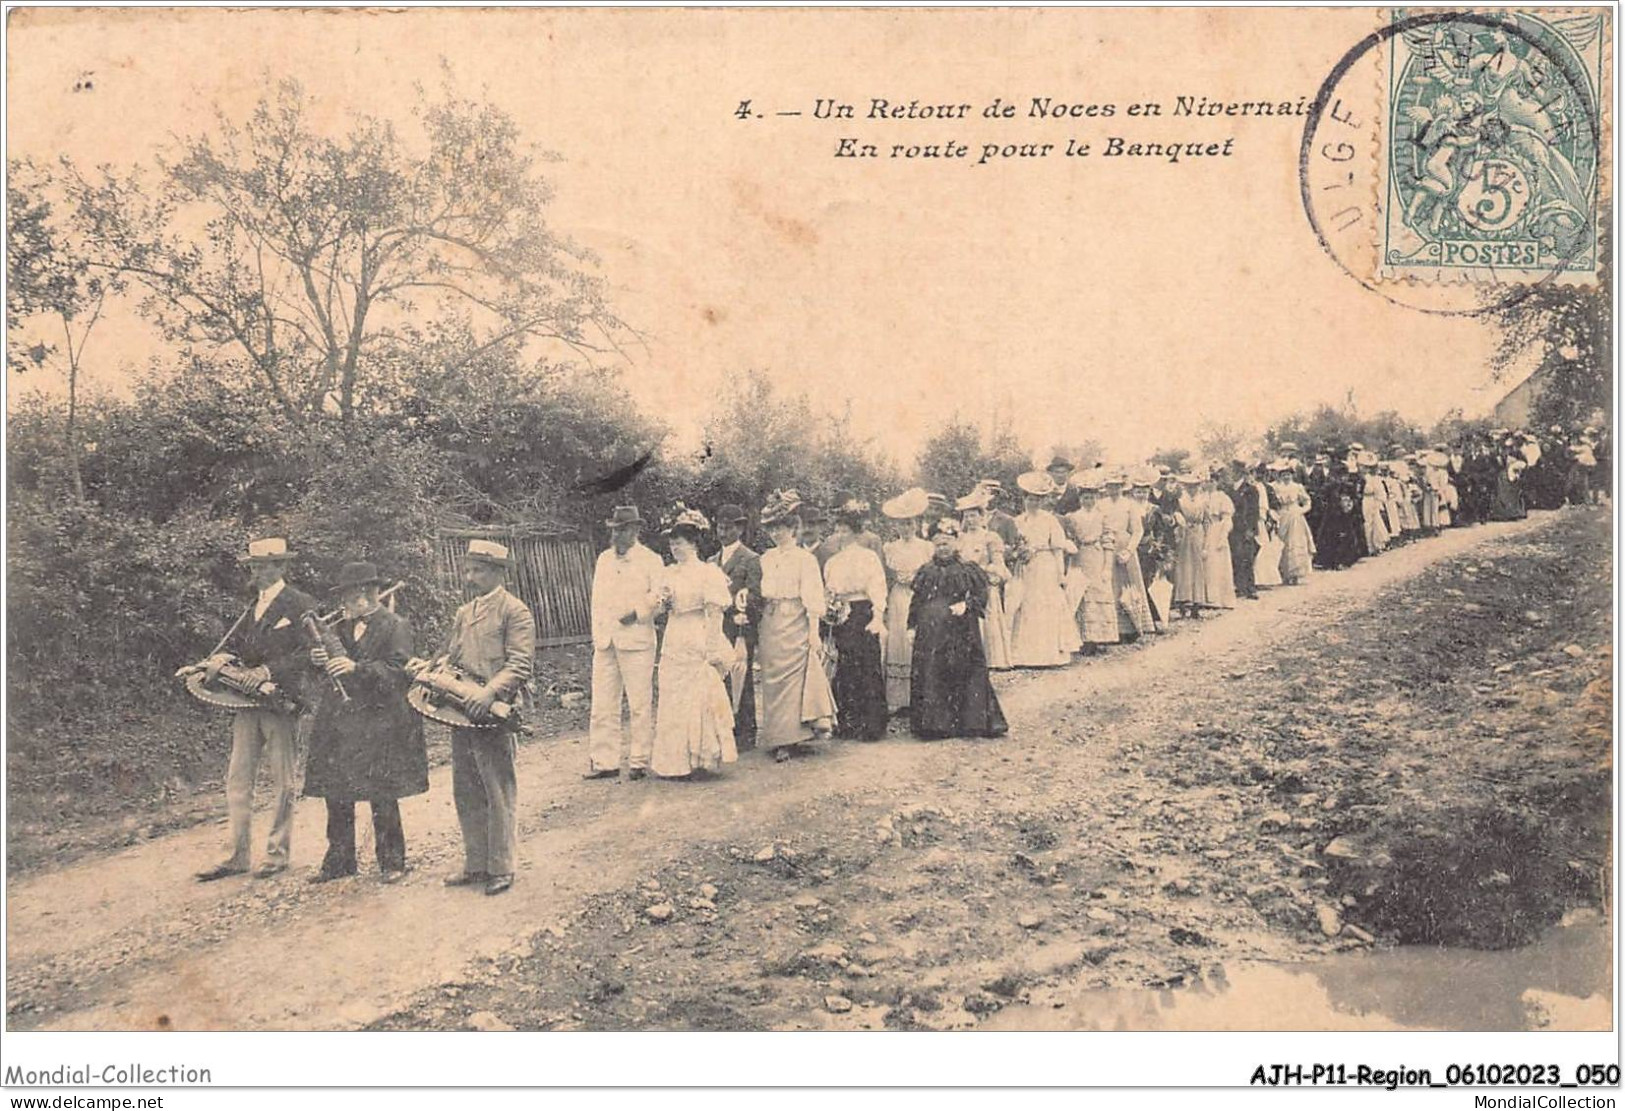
<point>265,653</point>
<point>366,743</point>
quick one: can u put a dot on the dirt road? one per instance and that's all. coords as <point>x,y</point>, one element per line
<point>1130,827</point>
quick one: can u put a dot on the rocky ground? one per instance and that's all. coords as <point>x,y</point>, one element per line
<point>1417,749</point>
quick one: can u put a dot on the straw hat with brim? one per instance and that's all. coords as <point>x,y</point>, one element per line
<point>1145,476</point>
<point>1436,459</point>
<point>1089,482</point>
<point>359,573</point>
<point>1036,483</point>
<point>1367,459</point>
<point>1279,465</point>
<point>1189,479</point>
<point>1289,446</point>
<point>908,505</point>
<point>272,549</point>
<point>487,551</point>
<point>976,499</point>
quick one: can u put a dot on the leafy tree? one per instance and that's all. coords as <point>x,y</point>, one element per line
<point>1454,428</point>
<point>1329,429</point>
<point>848,466</point>
<point>317,251</point>
<point>1175,459</point>
<point>760,440</point>
<point>1570,330</point>
<point>1218,443</point>
<point>950,462</point>
<point>1082,454</point>
<point>960,454</point>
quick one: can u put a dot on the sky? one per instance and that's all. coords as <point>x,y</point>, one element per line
<point>1126,300</point>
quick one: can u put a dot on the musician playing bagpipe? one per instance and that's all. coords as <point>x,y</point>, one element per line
<point>367,743</point>
<point>493,644</point>
<point>265,646</point>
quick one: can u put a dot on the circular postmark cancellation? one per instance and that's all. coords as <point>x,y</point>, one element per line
<point>1453,160</point>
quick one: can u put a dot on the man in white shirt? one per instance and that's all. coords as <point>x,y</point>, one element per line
<point>623,641</point>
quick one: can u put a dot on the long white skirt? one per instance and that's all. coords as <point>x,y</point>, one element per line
<point>694,727</point>
<point>1042,631</point>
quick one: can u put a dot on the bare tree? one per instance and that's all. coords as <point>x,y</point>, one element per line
<point>49,280</point>
<point>1219,443</point>
<point>310,255</point>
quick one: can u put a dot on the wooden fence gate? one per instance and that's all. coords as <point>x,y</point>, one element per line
<point>551,574</point>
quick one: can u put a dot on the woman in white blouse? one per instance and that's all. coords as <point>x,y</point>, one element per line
<point>694,728</point>
<point>855,581</point>
<point>904,554</point>
<point>1041,626</point>
<point>796,704</point>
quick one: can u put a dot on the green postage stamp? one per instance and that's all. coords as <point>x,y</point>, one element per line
<point>1496,125</point>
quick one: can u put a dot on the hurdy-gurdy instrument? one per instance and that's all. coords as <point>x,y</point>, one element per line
<point>442,694</point>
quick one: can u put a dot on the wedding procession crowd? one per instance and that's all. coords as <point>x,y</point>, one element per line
<point>834,629</point>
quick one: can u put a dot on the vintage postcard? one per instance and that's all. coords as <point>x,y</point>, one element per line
<point>554,522</point>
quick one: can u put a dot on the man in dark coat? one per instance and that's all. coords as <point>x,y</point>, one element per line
<point>1060,471</point>
<point>1340,537</point>
<point>1481,467</point>
<point>739,621</point>
<point>1000,523</point>
<point>1251,505</point>
<point>366,743</point>
<point>266,638</point>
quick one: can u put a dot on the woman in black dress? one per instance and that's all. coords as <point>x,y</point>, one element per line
<point>952,694</point>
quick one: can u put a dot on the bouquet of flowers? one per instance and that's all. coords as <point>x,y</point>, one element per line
<point>837,610</point>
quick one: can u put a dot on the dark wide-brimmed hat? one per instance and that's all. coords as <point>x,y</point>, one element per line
<point>624,515</point>
<point>358,573</point>
<point>731,514</point>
